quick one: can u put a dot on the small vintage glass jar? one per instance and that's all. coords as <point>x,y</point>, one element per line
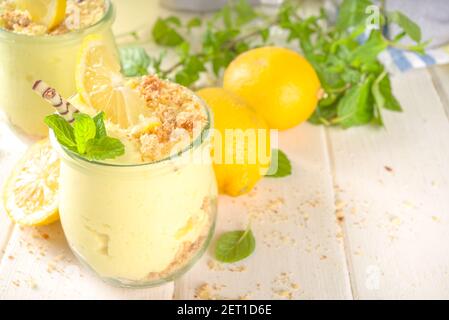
<point>25,58</point>
<point>139,225</point>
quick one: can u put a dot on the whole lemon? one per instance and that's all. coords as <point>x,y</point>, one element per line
<point>278,83</point>
<point>241,142</point>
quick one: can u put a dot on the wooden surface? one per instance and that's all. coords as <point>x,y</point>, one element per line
<point>365,214</point>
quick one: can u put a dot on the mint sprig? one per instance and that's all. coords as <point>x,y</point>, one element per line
<point>235,246</point>
<point>349,69</point>
<point>87,137</point>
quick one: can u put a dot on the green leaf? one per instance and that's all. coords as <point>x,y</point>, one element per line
<point>280,165</point>
<point>383,95</point>
<point>62,130</point>
<point>245,12</point>
<point>367,52</point>
<point>173,20</point>
<point>265,34</point>
<point>84,130</point>
<point>225,14</point>
<point>355,108</point>
<point>183,49</point>
<point>193,23</point>
<point>324,114</point>
<point>409,27</point>
<point>219,62</point>
<point>104,148</point>
<point>99,124</point>
<point>235,246</point>
<point>135,61</point>
<point>352,13</point>
<point>156,63</point>
<point>190,73</point>
<point>87,137</point>
<point>165,34</point>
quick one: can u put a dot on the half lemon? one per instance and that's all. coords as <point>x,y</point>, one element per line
<point>47,12</point>
<point>102,86</point>
<point>30,194</point>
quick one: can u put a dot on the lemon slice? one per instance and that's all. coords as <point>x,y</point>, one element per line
<point>47,12</point>
<point>102,86</point>
<point>30,195</point>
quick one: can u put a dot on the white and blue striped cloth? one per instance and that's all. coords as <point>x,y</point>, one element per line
<point>400,60</point>
<point>432,16</point>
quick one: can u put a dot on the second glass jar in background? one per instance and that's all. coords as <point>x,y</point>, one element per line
<point>25,59</point>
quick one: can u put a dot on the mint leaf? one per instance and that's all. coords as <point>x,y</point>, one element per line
<point>391,103</point>
<point>352,13</point>
<point>264,34</point>
<point>280,165</point>
<point>62,130</point>
<point>84,130</point>
<point>409,27</point>
<point>99,125</point>
<point>355,108</point>
<point>383,95</point>
<point>87,137</point>
<point>190,73</point>
<point>135,61</point>
<point>165,34</point>
<point>104,148</point>
<point>193,23</point>
<point>245,12</point>
<point>235,246</point>
<point>367,53</point>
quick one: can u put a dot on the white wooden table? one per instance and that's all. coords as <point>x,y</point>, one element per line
<point>365,214</point>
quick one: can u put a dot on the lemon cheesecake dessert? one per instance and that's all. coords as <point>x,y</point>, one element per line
<point>137,191</point>
<point>39,39</point>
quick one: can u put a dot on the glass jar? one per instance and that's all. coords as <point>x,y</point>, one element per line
<point>139,225</point>
<point>25,59</point>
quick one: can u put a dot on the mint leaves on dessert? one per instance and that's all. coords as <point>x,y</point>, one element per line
<point>87,137</point>
<point>356,85</point>
<point>280,161</point>
<point>235,246</point>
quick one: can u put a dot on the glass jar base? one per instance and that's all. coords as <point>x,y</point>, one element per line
<point>141,284</point>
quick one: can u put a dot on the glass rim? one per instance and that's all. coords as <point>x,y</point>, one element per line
<point>109,15</point>
<point>198,141</point>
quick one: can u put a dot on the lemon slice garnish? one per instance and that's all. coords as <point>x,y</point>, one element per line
<point>47,12</point>
<point>30,194</point>
<point>102,86</point>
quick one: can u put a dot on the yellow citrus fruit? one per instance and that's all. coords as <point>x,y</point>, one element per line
<point>278,83</point>
<point>241,148</point>
<point>30,194</point>
<point>102,86</point>
<point>47,12</point>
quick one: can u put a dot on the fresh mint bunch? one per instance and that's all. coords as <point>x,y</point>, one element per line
<point>357,86</point>
<point>87,137</point>
<point>222,40</point>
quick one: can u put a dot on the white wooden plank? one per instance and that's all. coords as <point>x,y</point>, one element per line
<point>27,260</point>
<point>440,77</point>
<point>393,185</point>
<point>12,147</point>
<point>298,254</point>
<point>39,265</point>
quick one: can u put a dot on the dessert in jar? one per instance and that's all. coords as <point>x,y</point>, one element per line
<point>145,217</point>
<point>31,50</point>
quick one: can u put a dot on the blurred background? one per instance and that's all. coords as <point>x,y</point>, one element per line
<point>431,15</point>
